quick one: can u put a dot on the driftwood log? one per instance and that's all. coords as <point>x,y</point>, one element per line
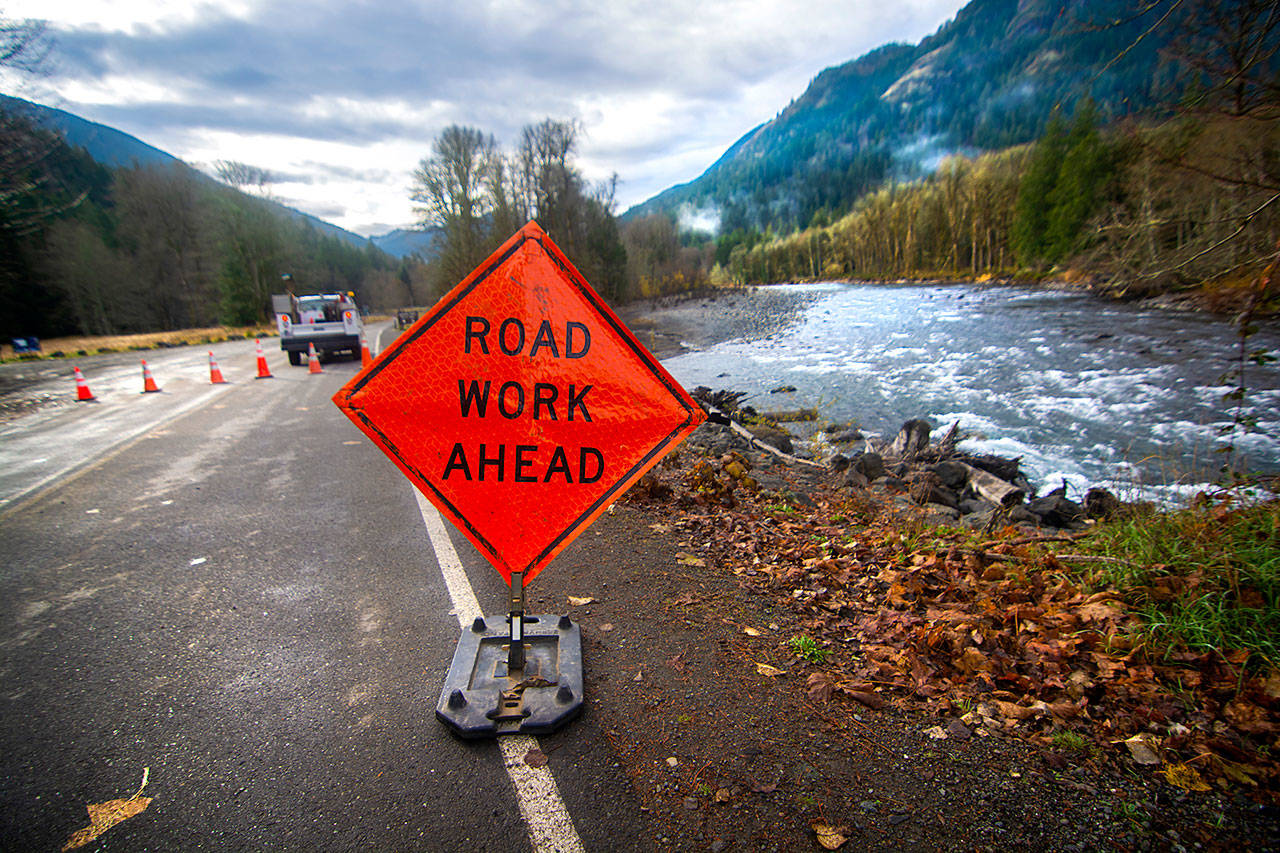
<point>791,415</point>
<point>991,487</point>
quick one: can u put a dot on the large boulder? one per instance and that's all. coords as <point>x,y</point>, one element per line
<point>953,475</point>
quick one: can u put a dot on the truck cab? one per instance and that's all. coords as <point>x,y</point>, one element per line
<point>330,321</point>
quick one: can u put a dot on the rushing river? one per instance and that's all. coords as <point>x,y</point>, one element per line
<point>1086,390</point>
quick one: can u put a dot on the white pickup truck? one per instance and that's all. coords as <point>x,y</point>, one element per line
<point>331,321</point>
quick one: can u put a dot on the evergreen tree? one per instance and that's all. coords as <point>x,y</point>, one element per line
<point>1031,211</point>
<point>1085,169</point>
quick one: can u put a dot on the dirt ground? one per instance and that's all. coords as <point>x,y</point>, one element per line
<point>691,674</point>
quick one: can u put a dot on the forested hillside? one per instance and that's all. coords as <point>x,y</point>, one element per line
<point>987,80</point>
<point>1138,152</point>
<point>98,249</point>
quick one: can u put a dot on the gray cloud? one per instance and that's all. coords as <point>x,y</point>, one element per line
<point>367,72</point>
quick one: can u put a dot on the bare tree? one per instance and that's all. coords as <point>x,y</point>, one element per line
<point>454,190</point>
<point>242,176</point>
<point>553,187</point>
<point>1230,48</point>
<point>24,44</point>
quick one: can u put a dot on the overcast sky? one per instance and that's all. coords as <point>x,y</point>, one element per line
<point>342,98</point>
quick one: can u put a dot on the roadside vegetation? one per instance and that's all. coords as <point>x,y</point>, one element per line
<point>93,250</point>
<point>1201,579</point>
<point>1145,643</point>
<point>82,345</point>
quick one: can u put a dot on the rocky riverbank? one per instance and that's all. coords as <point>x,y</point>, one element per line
<point>976,491</point>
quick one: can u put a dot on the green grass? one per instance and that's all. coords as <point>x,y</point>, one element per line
<point>1203,578</point>
<point>808,648</point>
<point>1065,740</point>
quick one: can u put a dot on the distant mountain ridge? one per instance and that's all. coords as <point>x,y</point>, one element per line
<point>403,242</point>
<point>987,79</point>
<point>115,148</point>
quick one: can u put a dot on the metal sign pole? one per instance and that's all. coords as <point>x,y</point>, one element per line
<point>515,653</point>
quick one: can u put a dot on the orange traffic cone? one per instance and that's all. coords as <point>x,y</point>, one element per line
<point>365,357</point>
<point>215,372</point>
<point>264,372</point>
<point>149,385</point>
<point>82,388</point>
<point>313,360</point>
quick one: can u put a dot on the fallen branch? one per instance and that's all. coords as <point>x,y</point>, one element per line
<point>1031,540</point>
<point>1090,558</point>
<point>741,431</point>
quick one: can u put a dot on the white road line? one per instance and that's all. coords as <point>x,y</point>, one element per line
<point>550,827</point>
<point>465,605</point>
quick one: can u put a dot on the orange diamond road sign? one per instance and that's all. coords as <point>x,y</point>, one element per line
<point>520,405</point>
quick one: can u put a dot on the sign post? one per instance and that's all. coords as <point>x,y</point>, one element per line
<point>522,408</point>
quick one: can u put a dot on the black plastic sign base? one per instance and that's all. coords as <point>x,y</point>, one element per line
<point>481,698</point>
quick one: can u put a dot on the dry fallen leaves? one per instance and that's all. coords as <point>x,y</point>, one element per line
<point>535,758</point>
<point>1145,749</point>
<point>1000,627</point>
<point>580,600</point>
<point>103,816</point>
<point>830,837</point>
<point>771,671</point>
<point>1185,777</point>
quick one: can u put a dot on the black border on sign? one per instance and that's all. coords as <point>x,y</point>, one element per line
<point>591,297</point>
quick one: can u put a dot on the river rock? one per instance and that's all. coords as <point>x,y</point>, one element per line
<point>1056,509</point>
<point>977,520</point>
<point>837,462</point>
<point>844,436</point>
<point>972,505</point>
<point>1019,514</point>
<point>771,436</point>
<point>854,479</point>
<point>940,514</point>
<point>911,439</point>
<point>869,465</point>
<point>952,474</point>
<point>1100,503</point>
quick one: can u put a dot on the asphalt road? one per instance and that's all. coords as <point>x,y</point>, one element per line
<point>233,588</point>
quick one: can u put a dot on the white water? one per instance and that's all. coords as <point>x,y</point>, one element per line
<point>1086,390</point>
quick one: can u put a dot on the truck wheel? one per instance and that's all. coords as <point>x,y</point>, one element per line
<point>295,358</point>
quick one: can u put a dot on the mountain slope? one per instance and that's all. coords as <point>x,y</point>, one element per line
<point>987,79</point>
<point>403,242</point>
<point>116,149</point>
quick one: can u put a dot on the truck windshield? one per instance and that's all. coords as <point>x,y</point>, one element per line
<point>317,309</point>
